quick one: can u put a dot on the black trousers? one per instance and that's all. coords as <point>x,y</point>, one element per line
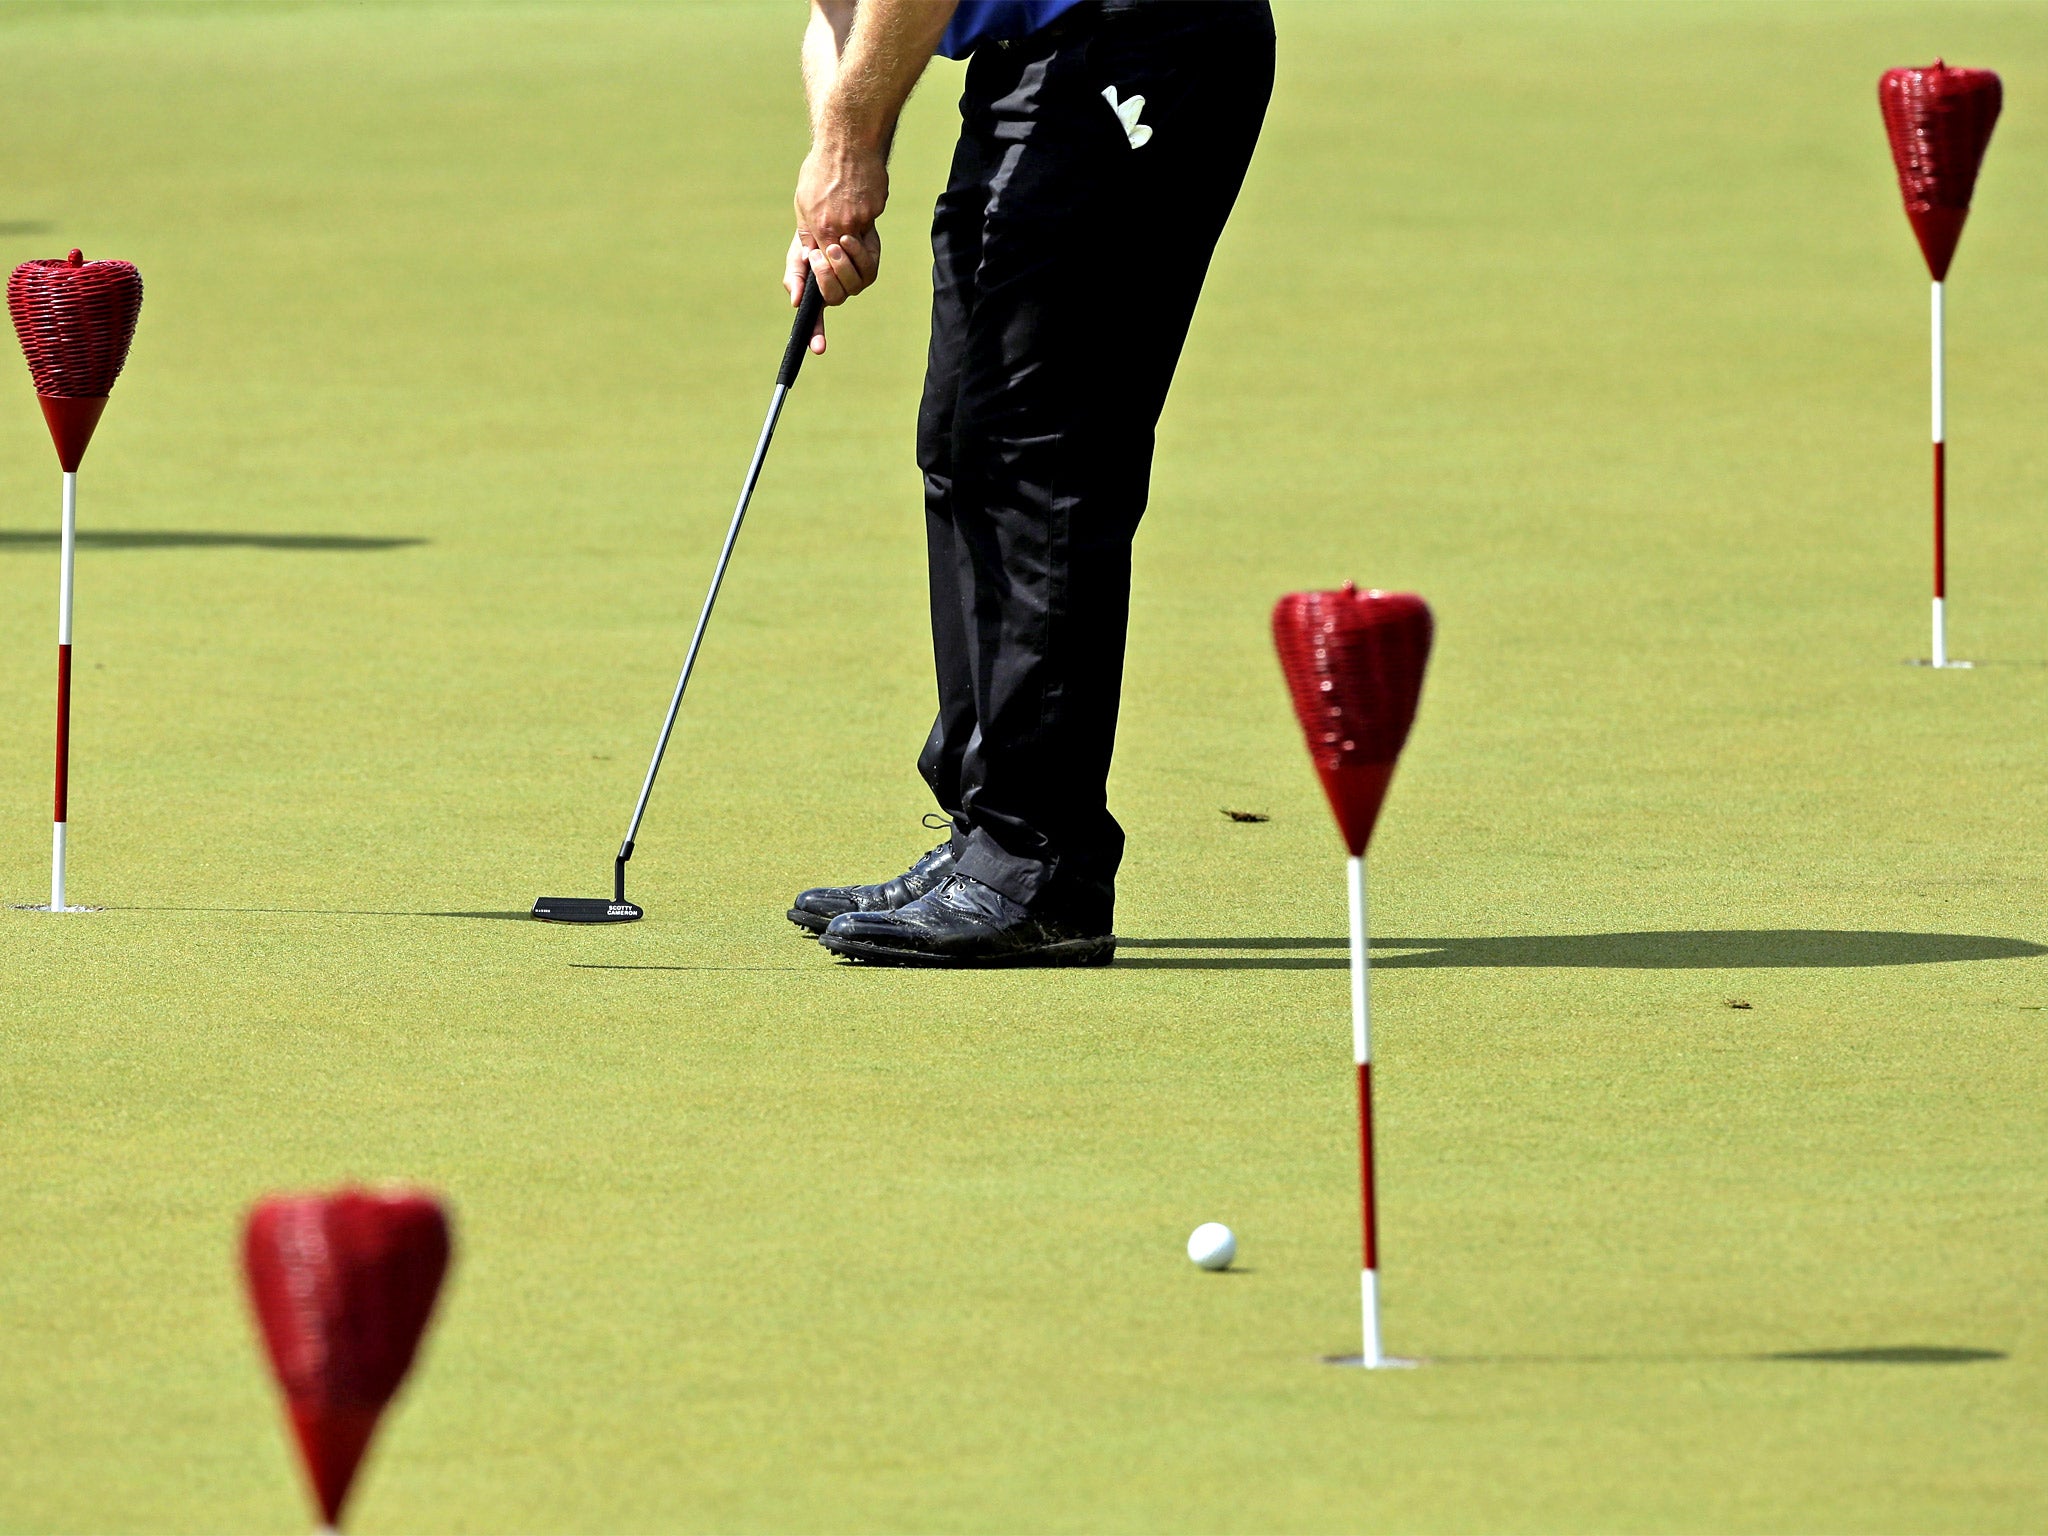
<point>1067,262</point>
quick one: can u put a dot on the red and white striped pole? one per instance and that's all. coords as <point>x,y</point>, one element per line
<point>1361,1053</point>
<point>69,544</point>
<point>1940,651</point>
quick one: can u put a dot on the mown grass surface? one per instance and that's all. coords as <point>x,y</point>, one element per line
<point>1600,325</point>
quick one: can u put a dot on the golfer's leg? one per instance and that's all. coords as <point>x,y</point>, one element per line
<point>1073,341</point>
<point>1020,464</point>
<point>956,251</point>
<point>1205,73</point>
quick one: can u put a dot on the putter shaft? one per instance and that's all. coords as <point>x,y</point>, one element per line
<point>809,311</point>
<point>675,703</point>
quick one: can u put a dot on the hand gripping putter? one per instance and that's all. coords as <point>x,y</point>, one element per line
<point>1354,663</point>
<point>342,1285</point>
<point>1939,121</point>
<point>75,319</point>
<point>591,909</point>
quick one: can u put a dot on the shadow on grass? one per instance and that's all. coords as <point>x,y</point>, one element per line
<point>25,226</point>
<point>1896,1354</point>
<point>1676,950</point>
<point>1887,1354</point>
<point>583,966</point>
<point>328,912</point>
<point>115,538</point>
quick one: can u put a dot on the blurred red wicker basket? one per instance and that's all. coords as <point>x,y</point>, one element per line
<point>342,1285</point>
<point>1939,121</point>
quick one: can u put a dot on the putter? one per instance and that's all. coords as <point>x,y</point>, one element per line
<point>595,909</point>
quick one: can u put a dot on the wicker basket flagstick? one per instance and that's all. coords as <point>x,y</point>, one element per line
<point>75,319</point>
<point>1939,122</point>
<point>1354,663</point>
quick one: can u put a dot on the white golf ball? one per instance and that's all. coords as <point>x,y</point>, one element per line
<point>1212,1245</point>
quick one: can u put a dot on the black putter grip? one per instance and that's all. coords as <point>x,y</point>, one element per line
<point>800,334</point>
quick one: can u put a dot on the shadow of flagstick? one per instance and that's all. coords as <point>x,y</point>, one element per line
<point>115,538</point>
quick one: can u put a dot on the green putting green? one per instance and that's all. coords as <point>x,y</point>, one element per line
<point>1712,996</point>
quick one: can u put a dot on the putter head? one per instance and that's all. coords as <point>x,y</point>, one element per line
<point>585,909</point>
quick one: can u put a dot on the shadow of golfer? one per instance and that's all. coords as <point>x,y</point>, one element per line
<point>116,538</point>
<point>1675,950</point>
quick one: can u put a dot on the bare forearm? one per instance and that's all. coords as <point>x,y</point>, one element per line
<point>862,58</point>
<point>887,50</point>
<point>824,42</point>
